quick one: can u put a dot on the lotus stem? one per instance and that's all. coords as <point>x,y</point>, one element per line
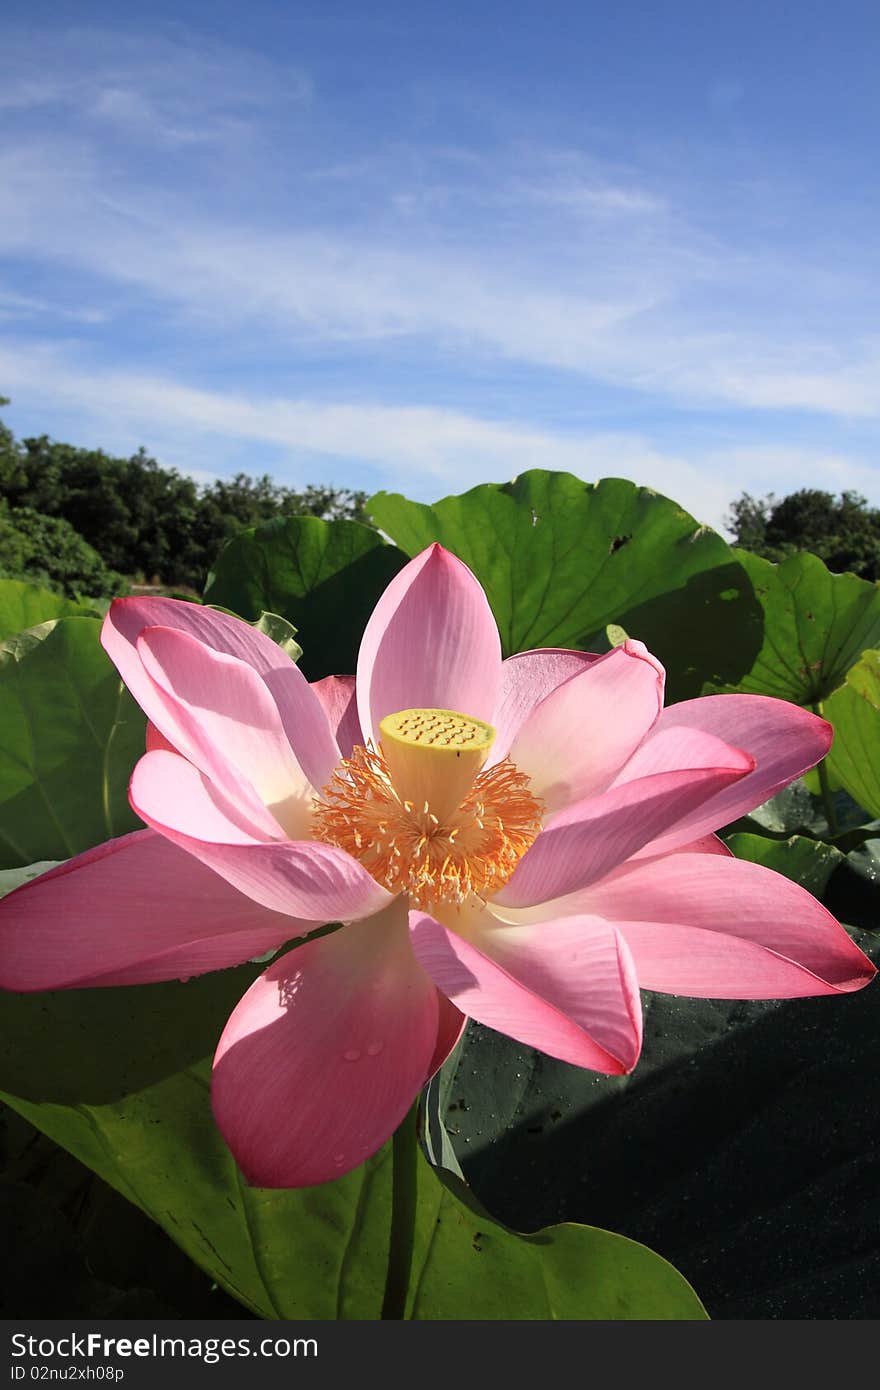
<point>827,798</point>
<point>403,1217</point>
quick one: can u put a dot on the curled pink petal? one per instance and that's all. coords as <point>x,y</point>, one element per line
<point>219,714</point>
<point>527,678</point>
<point>451,1023</point>
<point>131,911</point>
<point>166,786</point>
<point>577,739</point>
<point>783,739</point>
<point>301,714</point>
<point>568,988</point>
<point>306,879</point>
<point>591,838</point>
<point>338,697</point>
<point>431,643</point>
<point>722,928</point>
<point>128,617</point>
<point>325,1054</point>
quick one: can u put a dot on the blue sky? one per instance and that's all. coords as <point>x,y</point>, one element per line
<point>420,246</point>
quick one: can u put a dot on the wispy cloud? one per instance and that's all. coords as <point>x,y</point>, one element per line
<point>159,87</point>
<point>218,211</point>
<point>423,451</point>
<point>652,308</point>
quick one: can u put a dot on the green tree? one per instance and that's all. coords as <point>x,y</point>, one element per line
<point>47,550</point>
<point>146,521</point>
<point>844,531</point>
<point>227,507</point>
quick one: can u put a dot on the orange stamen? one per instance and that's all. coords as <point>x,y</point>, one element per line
<point>469,851</point>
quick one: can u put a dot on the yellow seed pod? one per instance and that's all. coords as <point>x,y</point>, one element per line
<point>433,755</point>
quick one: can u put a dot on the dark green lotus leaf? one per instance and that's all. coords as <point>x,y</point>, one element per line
<point>801,809</point>
<point>323,576</point>
<point>816,626</point>
<point>120,1078</point>
<point>809,862</point>
<point>473,1268</point>
<point>69,736</point>
<point>74,1248</point>
<point>744,1145</point>
<point>25,605</point>
<point>790,811</point>
<point>854,710</point>
<point>562,560</point>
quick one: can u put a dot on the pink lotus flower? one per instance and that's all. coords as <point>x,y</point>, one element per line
<point>522,842</point>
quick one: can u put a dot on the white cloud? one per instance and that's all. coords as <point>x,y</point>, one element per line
<point>422,451</point>
<point>651,306</point>
<point>157,85</point>
<point>23,306</point>
<point>782,468</point>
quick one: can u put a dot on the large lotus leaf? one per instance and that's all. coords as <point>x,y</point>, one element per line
<point>854,710</point>
<point>74,1248</point>
<point>467,1266</point>
<point>816,626</point>
<point>322,576</point>
<point>744,1145</point>
<point>809,862</point>
<point>801,809</point>
<point>69,736</point>
<point>121,1079</point>
<point>24,605</point>
<point>561,560</point>
<point>792,811</point>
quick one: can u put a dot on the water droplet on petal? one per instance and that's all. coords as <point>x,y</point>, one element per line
<point>374,1048</point>
<point>338,1159</point>
<point>352,1054</point>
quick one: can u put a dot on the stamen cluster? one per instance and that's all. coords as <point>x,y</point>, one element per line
<point>472,852</point>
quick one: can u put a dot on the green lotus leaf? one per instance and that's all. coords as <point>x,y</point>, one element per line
<point>563,561</point>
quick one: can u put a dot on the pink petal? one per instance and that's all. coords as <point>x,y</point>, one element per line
<point>316,882</point>
<point>783,739</point>
<point>128,617</point>
<point>325,1054</point>
<point>722,928</point>
<point>451,1023</point>
<point>156,741</point>
<point>566,987</point>
<point>526,679</point>
<point>130,911</point>
<point>219,714</point>
<point>431,643</point>
<point>591,838</point>
<point>576,741</point>
<point>301,714</point>
<point>707,844</point>
<point>338,697</point>
<point>581,902</point>
<point>165,784</point>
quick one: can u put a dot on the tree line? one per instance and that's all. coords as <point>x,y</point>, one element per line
<point>843,531</point>
<point>76,518</point>
<point>86,523</point>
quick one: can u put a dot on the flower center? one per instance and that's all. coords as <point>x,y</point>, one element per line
<point>422,817</point>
